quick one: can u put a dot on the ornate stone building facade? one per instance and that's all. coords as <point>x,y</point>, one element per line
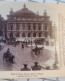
<point>25,23</point>
<point>1,25</point>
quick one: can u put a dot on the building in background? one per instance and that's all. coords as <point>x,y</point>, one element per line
<point>25,23</point>
<point>1,26</point>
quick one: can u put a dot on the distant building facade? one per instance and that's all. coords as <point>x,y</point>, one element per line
<point>25,23</point>
<point>1,26</point>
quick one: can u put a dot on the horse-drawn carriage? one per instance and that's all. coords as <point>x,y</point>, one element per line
<point>37,50</point>
<point>8,57</point>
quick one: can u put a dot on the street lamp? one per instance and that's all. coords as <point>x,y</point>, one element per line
<point>56,58</point>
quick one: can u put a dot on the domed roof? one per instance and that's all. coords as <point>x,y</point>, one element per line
<point>25,12</point>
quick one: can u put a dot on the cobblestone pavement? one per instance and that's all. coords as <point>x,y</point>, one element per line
<point>24,56</point>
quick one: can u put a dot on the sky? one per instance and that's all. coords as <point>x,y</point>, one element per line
<point>5,8</point>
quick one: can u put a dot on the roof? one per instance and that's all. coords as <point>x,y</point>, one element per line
<point>25,12</point>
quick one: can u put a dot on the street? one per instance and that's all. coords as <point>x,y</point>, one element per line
<point>24,56</point>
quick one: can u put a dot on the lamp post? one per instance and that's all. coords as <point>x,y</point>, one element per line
<point>56,58</point>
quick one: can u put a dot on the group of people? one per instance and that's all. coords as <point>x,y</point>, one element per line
<point>36,66</point>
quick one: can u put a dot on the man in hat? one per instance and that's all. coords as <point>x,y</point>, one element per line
<point>36,66</point>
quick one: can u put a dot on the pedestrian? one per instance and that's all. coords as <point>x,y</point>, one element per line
<point>26,43</point>
<point>36,66</point>
<point>22,46</point>
<point>25,68</point>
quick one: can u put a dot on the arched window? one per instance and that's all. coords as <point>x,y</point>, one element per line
<point>11,26</point>
<point>34,34</point>
<point>45,27</point>
<point>29,27</point>
<point>23,34</point>
<point>11,35</point>
<point>29,34</point>
<point>17,26</point>
<point>40,34</point>
<point>39,26</point>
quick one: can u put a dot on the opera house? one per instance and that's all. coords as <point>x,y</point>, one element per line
<point>26,24</point>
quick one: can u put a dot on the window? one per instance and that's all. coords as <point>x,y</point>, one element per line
<point>45,27</point>
<point>29,27</point>
<point>34,34</point>
<point>11,35</point>
<point>40,34</point>
<point>23,34</point>
<point>11,26</point>
<point>39,26</point>
<point>17,26</point>
<point>29,34</point>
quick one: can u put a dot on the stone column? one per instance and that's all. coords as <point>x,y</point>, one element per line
<point>21,34</point>
<point>21,27</point>
<point>37,34</point>
<point>36,26</point>
<point>31,26</point>
<point>26,34</point>
<point>42,34</point>
<point>14,26</point>
<point>8,28</point>
<point>25,26</point>
<point>8,34</point>
<point>31,34</point>
<point>42,28</point>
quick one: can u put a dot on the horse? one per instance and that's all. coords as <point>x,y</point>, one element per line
<point>37,50</point>
<point>8,57</point>
<point>11,58</point>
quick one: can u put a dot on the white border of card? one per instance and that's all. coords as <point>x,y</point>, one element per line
<point>60,10</point>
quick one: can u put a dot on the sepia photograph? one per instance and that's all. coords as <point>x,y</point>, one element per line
<point>28,37</point>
